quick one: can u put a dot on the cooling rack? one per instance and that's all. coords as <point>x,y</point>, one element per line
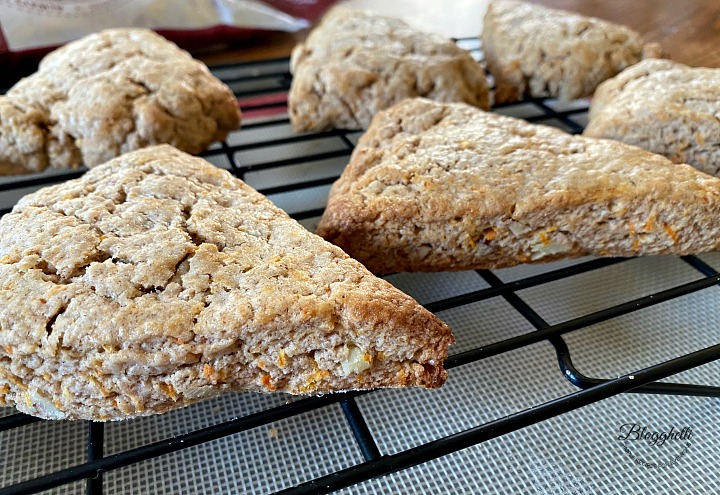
<point>296,171</point>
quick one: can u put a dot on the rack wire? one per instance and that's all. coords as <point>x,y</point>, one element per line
<point>261,88</point>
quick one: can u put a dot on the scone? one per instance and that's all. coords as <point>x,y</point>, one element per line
<point>540,52</point>
<point>435,186</point>
<point>157,280</point>
<point>107,94</point>
<point>355,64</point>
<point>665,107</point>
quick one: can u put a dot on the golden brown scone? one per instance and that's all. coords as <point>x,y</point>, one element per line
<point>107,94</point>
<point>355,64</point>
<point>540,52</point>
<point>664,107</point>
<point>434,186</point>
<point>157,280</point>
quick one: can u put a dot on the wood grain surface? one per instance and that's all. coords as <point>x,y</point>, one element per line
<point>687,30</point>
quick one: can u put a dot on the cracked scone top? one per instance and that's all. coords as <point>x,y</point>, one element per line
<point>356,63</point>
<point>109,93</point>
<point>434,186</point>
<point>664,107</point>
<point>541,52</point>
<point>158,279</point>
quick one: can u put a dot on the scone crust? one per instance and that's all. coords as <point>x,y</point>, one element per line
<point>157,280</point>
<point>356,63</point>
<point>664,107</point>
<point>435,187</point>
<point>107,94</point>
<point>541,52</point>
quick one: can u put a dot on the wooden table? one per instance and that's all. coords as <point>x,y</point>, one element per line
<point>687,30</point>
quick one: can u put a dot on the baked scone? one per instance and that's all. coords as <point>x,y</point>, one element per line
<point>158,279</point>
<point>665,107</point>
<point>354,64</point>
<point>540,52</point>
<point>109,93</point>
<point>434,186</point>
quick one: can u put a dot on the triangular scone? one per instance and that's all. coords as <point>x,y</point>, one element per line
<point>356,63</point>
<point>664,107</point>
<point>158,279</point>
<point>536,51</point>
<point>435,186</point>
<point>109,93</point>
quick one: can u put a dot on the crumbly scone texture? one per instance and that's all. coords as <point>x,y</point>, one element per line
<point>664,107</point>
<point>541,52</point>
<point>107,94</point>
<point>158,279</point>
<point>435,186</point>
<point>356,63</point>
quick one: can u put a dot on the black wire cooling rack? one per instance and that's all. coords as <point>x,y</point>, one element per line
<point>261,88</point>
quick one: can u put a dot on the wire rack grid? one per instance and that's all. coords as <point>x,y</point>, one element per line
<point>296,171</point>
